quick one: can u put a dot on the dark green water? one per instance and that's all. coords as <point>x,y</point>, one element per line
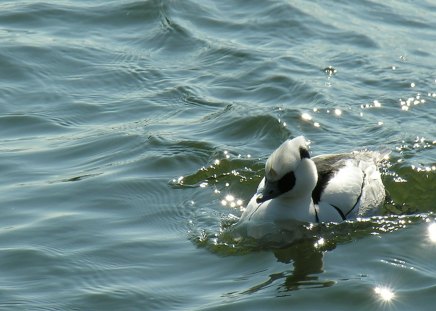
<point>132,133</point>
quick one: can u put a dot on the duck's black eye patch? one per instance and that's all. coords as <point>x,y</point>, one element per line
<point>304,153</point>
<point>287,182</point>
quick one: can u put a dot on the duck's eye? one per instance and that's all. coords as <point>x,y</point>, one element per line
<point>287,182</point>
<point>304,153</point>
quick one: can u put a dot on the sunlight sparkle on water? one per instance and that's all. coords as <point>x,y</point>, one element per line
<point>178,180</point>
<point>231,201</point>
<point>384,293</point>
<point>306,116</point>
<point>431,231</point>
<point>320,243</point>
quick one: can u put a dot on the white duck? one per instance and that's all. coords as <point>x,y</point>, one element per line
<point>327,188</point>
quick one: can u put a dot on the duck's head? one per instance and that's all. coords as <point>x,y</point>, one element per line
<point>289,171</point>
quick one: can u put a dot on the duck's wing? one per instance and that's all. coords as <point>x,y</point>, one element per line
<point>327,166</point>
<point>340,186</point>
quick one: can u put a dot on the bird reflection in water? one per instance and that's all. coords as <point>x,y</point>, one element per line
<point>306,258</point>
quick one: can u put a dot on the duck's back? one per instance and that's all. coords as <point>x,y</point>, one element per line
<point>349,186</point>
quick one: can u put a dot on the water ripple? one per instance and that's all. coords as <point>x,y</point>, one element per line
<point>134,132</point>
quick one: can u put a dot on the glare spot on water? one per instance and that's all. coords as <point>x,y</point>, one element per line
<point>178,180</point>
<point>431,231</point>
<point>374,104</point>
<point>330,71</point>
<point>338,112</point>
<point>320,243</point>
<point>306,116</point>
<point>423,168</point>
<point>231,201</point>
<point>412,84</point>
<point>420,139</point>
<point>412,101</point>
<point>384,293</point>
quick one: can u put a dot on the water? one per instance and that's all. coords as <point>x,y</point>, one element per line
<point>133,132</point>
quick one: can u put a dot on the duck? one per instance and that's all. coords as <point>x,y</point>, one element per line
<point>325,188</point>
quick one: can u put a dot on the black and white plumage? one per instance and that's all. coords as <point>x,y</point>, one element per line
<point>327,188</point>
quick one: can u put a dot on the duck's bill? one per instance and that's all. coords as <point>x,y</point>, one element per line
<point>270,191</point>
